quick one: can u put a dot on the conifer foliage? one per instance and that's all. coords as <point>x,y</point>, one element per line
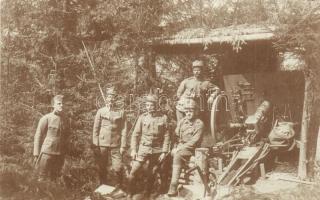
<point>42,54</point>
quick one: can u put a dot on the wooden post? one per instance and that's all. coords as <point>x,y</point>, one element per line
<point>302,169</point>
<point>318,147</point>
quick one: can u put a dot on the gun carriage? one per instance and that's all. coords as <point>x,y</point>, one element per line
<point>262,95</point>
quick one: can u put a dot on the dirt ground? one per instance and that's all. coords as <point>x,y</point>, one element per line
<point>279,184</point>
<point>264,189</point>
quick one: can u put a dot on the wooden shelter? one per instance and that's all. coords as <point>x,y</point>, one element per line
<point>245,49</point>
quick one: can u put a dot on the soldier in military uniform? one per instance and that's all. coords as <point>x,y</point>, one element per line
<point>153,145</point>
<point>189,131</point>
<point>50,141</point>
<point>109,138</point>
<point>197,88</point>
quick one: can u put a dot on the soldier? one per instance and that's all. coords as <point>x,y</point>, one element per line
<point>109,138</point>
<point>151,128</point>
<point>189,132</point>
<point>50,141</point>
<point>195,87</point>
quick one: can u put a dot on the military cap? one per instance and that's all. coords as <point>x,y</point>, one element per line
<point>197,63</point>
<point>189,104</point>
<point>151,98</point>
<point>111,91</point>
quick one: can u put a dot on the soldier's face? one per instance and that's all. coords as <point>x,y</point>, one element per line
<point>150,107</point>
<point>58,106</point>
<point>110,98</point>
<point>196,71</point>
<point>190,114</point>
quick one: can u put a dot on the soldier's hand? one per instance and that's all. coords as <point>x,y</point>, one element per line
<point>133,154</point>
<point>122,150</point>
<point>162,156</point>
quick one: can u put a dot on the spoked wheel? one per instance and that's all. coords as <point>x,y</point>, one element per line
<point>220,117</point>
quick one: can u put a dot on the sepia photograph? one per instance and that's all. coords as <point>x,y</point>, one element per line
<point>160,100</point>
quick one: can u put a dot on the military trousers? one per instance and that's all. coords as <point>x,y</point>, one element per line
<point>153,162</point>
<point>49,166</point>
<point>105,155</point>
<point>179,159</point>
<point>182,156</point>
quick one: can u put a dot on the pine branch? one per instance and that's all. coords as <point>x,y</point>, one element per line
<point>303,20</point>
<point>31,108</point>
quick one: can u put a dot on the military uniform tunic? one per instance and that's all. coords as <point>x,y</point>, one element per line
<point>50,144</point>
<point>109,135</point>
<point>110,128</point>
<point>194,88</point>
<point>149,139</point>
<point>153,133</point>
<point>189,134</point>
<point>51,135</point>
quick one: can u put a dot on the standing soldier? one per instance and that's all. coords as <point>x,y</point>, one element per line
<point>109,138</point>
<point>50,141</point>
<point>189,132</point>
<point>153,145</point>
<point>197,88</point>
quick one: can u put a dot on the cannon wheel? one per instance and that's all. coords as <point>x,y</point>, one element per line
<point>219,117</point>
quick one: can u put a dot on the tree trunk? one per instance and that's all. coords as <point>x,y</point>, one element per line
<point>136,73</point>
<point>151,65</point>
<point>314,137</point>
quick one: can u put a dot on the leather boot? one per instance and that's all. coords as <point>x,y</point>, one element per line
<point>130,187</point>
<point>176,170</point>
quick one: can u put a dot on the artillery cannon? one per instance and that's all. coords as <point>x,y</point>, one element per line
<point>241,151</point>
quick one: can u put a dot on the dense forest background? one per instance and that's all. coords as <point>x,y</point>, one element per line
<point>42,54</point>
